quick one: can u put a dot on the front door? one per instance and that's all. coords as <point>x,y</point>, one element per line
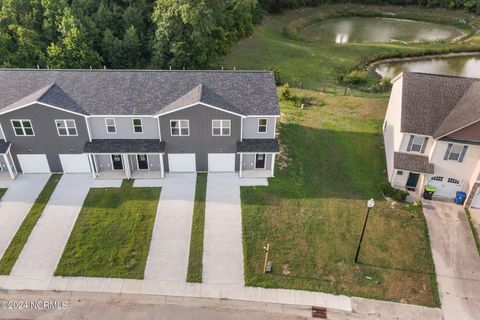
<point>142,161</point>
<point>117,162</point>
<point>260,161</point>
<point>412,181</point>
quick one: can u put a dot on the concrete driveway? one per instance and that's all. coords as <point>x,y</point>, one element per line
<point>222,250</point>
<point>16,203</point>
<point>456,259</point>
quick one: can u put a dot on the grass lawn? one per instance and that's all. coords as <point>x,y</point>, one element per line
<point>112,234</point>
<point>277,44</point>
<point>474,230</point>
<point>18,242</point>
<point>312,212</point>
<point>194,273</point>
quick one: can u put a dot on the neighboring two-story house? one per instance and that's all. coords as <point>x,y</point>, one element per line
<point>137,123</point>
<point>432,135</point>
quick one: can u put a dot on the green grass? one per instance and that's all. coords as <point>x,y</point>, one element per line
<point>194,273</point>
<point>2,192</point>
<point>277,44</point>
<point>18,242</point>
<point>332,161</point>
<point>474,230</point>
<point>111,237</point>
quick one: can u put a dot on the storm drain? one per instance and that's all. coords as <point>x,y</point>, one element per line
<point>319,312</point>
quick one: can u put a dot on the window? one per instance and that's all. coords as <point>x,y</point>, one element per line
<point>437,178</point>
<point>399,172</point>
<point>111,127</point>
<point>220,127</point>
<point>455,152</point>
<point>452,180</point>
<point>262,125</point>
<point>417,144</point>
<point>137,126</point>
<point>66,127</point>
<point>179,127</point>
<point>23,127</point>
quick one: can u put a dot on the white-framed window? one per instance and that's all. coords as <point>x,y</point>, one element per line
<point>66,127</point>
<point>417,144</point>
<point>221,127</point>
<point>453,180</point>
<point>437,178</point>
<point>179,127</point>
<point>111,125</point>
<point>22,127</point>
<point>455,152</point>
<point>137,125</point>
<point>262,125</point>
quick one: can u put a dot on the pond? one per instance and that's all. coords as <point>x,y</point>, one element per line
<point>361,29</point>
<point>465,66</point>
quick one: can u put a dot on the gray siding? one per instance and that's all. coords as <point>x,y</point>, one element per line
<point>250,128</point>
<point>124,126</point>
<point>201,142</point>
<point>248,161</point>
<point>46,139</point>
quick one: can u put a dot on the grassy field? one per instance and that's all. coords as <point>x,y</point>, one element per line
<point>111,237</point>
<point>18,242</point>
<point>194,273</point>
<point>277,44</point>
<point>312,212</point>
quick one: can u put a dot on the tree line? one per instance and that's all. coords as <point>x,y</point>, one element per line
<point>140,33</point>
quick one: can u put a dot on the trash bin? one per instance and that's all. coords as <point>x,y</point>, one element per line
<point>428,192</point>
<point>460,197</point>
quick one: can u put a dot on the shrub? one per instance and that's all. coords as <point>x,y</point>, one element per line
<point>285,93</point>
<point>391,192</point>
<point>355,77</point>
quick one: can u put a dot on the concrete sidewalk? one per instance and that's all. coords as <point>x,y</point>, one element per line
<point>16,203</point>
<point>170,244</point>
<point>222,249</point>
<point>45,245</point>
<point>456,259</point>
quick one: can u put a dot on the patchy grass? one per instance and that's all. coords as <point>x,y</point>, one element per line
<point>313,210</point>
<point>112,234</point>
<point>474,230</point>
<point>194,273</point>
<point>18,242</point>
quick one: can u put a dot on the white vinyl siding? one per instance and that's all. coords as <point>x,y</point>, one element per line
<point>66,127</point>
<point>22,127</point>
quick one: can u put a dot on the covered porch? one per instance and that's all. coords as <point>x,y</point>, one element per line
<point>8,170</point>
<point>257,157</point>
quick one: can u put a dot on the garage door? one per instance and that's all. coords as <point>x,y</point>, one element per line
<point>182,162</point>
<point>221,162</point>
<point>476,199</point>
<point>33,163</point>
<point>75,163</point>
<point>445,187</point>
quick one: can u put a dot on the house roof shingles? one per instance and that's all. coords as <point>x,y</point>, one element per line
<point>258,145</point>
<point>412,162</point>
<point>139,92</point>
<point>124,146</point>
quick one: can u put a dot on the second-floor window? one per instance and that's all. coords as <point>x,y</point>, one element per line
<point>417,144</point>
<point>111,127</point>
<point>455,152</point>
<point>262,125</point>
<point>137,126</point>
<point>179,127</point>
<point>220,127</point>
<point>66,127</point>
<point>23,127</point>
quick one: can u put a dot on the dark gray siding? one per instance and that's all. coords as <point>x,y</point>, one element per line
<point>201,142</point>
<point>46,139</point>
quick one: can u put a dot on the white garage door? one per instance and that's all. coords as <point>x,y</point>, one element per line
<point>75,163</point>
<point>33,163</point>
<point>182,162</point>
<point>476,199</point>
<point>221,162</point>
<point>445,187</point>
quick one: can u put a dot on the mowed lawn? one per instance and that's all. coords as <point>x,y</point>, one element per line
<point>111,237</point>
<point>312,212</point>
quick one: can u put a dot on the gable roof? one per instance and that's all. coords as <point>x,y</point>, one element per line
<point>139,92</point>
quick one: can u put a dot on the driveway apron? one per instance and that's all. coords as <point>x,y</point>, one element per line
<point>170,244</point>
<point>16,203</point>
<point>47,241</point>
<point>222,253</point>
<point>456,259</point>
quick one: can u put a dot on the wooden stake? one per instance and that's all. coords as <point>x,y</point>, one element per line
<point>267,248</point>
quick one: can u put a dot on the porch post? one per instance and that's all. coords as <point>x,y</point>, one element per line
<point>241,164</point>
<point>9,153</point>
<point>272,166</point>
<point>12,175</point>
<point>92,167</point>
<point>127,166</point>
<point>162,170</point>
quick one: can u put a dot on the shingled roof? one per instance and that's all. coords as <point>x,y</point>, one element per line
<point>139,92</point>
<point>412,162</point>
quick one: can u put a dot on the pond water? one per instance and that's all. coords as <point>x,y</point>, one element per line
<point>361,29</point>
<point>465,66</point>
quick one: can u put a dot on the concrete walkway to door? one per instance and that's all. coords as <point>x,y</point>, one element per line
<point>456,259</point>
<point>222,250</point>
<point>16,204</point>
<point>170,245</point>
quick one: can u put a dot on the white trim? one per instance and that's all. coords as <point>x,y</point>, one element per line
<point>266,125</point>
<point>95,164</point>
<point>107,153</point>
<point>120,116</point>
<point>162,169</point>
<point>66,128</point>
<point>240,166</point>
<point>92,170</point>
<point>159,129</point>
<point>180,128</point>
<point>23,128</point>
<point>241,129</point>
<point>12,175</point>
<point>121,158</point>
<point>272,166</point>
<point>126,168</point>
<point>221,128</point>
<point>196,104</point>
<point>11,159</point>
<point>3,132</point>
<point>257,152</point>
<point>264,161</point>
<point>114,125</point>
<point>87,124</point>
<point>463,127</point>
<point>148,162</point>
<point>263,116</point>
<point>133,125</point>
<point>43,104</point>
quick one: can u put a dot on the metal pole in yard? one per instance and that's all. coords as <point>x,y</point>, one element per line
<point>370,205</point>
